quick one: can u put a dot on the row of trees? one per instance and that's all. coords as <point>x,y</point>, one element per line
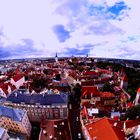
<point>132,74</point>
<point>134,81</point>
<point>132,113</point>
<point>38,83</point>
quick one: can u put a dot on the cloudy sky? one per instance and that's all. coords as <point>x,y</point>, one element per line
<point>40,28</point>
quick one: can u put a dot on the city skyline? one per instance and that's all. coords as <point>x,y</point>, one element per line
<point>100,28</point>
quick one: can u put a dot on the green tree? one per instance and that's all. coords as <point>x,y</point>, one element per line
<point>77,91</point>
<point>107,87</point>
<point>38,83</point>
<point>45,71</point>
<point>133,112</point>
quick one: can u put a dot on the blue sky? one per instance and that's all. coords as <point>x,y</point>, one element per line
<point>40,28</point>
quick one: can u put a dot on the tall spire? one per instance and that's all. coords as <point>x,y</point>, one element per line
<point>56,57</point>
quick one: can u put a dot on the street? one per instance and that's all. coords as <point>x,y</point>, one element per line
<point>74,119</point>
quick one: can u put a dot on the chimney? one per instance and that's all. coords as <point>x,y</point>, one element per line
<point>115,124</point>
<point>55,126</point>
<point>124,126</point>
<point>44,132</point>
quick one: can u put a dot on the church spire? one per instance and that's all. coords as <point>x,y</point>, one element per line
<point>56,57</point>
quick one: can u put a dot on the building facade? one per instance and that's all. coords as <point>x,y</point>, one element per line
<point>15,120</point>
<point>38,106</point>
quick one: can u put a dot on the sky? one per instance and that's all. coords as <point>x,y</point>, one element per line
<point>99,28</point>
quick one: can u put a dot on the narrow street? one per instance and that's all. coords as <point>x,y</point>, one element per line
<point>35,131</point>
<point>74,119</point>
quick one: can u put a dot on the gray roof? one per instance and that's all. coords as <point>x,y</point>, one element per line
<point>46,99</point>
<point>14,114</point>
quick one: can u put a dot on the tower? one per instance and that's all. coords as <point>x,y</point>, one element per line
<point>56,57</point>
<point>124,82</point>
<point>137,99</point>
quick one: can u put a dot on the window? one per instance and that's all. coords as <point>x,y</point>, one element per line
<point>56,112</point>
<point>44,106</point>
<point>40,114</point>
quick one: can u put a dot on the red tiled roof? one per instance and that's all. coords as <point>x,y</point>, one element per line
<point>91,82</point>
<point>72,73</point>
<point>4,87</point>
<point>116,118</point>
<point>106,79</point>
<point>104,71</point>
<point>87,83</point>
<point>130,104</point>
<point>55,71</point>
<point>12,87</point>
<point>27,71</point>
<point>106,94</point>
<point>85,77</point>
<point>138,90</point>
<point>105,109</point>
<point>85,103</point>
<point>89,90</point>
<point>17,71</point>
<point>49,65</point>
<point>9,74</point>
<point>105,129</point>
<point>90,73</point>
<point>56,129</point>
<point>18,77</point>
<point>132,123</point>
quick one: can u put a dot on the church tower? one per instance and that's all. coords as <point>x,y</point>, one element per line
<point>124,82</point>
<point>137,99</point>
<point>56,57</point>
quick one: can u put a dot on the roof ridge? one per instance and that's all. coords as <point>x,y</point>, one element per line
<point>111,125</point>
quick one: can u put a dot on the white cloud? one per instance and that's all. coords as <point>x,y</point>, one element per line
<point>29,19</point>
<point>34,19</point>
